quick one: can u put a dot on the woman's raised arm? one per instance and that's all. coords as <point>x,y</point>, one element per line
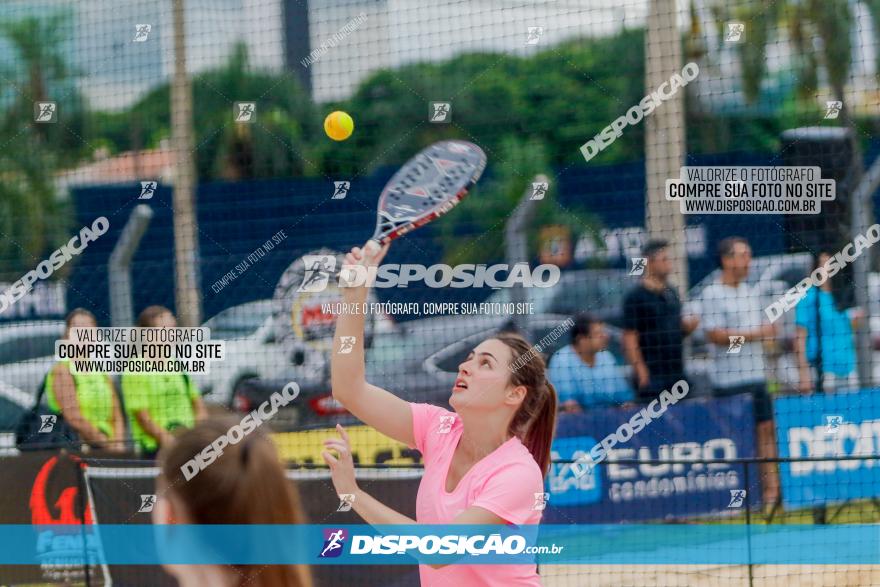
<point>373,405</point>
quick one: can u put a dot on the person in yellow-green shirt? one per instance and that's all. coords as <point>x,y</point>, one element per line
<point>158,403</point>
<point>87,401</point>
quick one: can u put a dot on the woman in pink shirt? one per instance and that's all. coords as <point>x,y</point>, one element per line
<point>484,463</point>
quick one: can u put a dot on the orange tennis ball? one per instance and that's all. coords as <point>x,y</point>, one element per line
<point>338,125</point>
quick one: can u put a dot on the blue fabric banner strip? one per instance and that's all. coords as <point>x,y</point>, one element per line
<point>580,544</point>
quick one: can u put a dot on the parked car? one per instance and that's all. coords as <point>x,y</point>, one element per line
<point>418,362</point>
<point>27,352</point>
<point>251,350</point>
<point>595,291</point>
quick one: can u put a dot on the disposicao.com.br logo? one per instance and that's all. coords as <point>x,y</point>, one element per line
<point>431,544</point>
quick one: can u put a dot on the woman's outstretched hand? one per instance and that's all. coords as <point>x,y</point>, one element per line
<point>355,272</point>
<point>341,467</point>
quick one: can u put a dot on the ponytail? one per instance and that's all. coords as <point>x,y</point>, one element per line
<point>540,430</point>
<point>535,420</point>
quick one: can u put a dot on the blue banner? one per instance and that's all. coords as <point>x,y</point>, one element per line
<point>362,544</point>
<point>691,431</point>
<point>816,426</point>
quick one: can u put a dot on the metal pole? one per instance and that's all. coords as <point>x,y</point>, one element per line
<point>748,522</point>
<point>862,214</point>
<point>819,512</point>
<point>187,294</point>
<point>516,243</point>
<point>664,134</point>
<point>119,267</point>
<point>83,512</point>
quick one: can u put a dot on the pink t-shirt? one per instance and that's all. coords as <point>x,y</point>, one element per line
<point>504,482</point>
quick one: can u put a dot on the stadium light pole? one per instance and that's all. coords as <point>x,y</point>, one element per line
<point>186,253</point>
<point>664,134</point>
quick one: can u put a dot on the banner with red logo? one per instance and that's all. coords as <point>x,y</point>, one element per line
<point>46,488</point>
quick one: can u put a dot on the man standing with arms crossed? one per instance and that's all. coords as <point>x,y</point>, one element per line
<point>654,329</point>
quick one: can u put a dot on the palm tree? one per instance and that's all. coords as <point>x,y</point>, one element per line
<point>276,144</point>
<point>32,220</point>
<point>819,33</point>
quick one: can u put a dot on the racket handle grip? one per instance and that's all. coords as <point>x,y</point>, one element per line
<point>345,276</point>
<point>372,246</point>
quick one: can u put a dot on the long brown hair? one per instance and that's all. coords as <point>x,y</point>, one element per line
<point>535,421</point>
<point>245,485</point>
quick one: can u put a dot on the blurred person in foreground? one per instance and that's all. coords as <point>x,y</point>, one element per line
<point>654,328</point>
<point>585,373</point>
<point>485,461</point>
<point>736,327</point>
<point>245,485</point>
<point>159,402</point>
<point>87,401</point>
<point>821,315</point>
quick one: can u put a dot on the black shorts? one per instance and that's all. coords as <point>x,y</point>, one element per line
<point>763,405</point>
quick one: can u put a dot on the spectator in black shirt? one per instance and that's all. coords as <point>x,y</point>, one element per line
<point>654,329</point>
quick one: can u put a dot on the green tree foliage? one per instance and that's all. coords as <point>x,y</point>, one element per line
<point>33,221</point>
<point>277,144</point>
<point>562,96</point>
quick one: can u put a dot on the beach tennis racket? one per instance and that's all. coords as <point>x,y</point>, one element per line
<point>428,186</point>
